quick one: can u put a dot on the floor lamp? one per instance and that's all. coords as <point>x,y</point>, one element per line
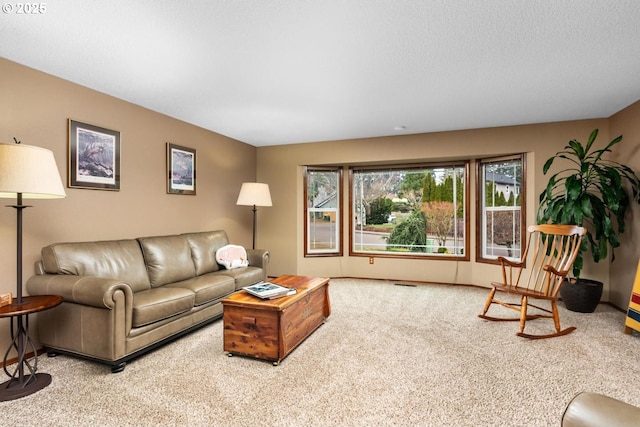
<point>31,173</point>
<point>254,194</point>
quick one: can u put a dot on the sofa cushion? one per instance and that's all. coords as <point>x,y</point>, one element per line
<point>168,259</point>
<point>208,287</point>
<point>203,249</point>
<point>160,303</point>
<point>244,276</point>
<point>115,259</point>
<point>232,256</point>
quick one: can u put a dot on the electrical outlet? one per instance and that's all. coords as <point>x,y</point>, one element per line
<point>370,260</point>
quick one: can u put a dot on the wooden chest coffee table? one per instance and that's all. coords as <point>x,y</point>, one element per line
<point>271,329</point>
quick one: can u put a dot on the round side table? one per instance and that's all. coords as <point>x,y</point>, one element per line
<point>25,379</point>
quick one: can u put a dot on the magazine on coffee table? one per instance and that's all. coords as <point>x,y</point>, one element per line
<point>268,290</point>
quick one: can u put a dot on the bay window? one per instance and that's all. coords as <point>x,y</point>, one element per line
<point>410,211</point>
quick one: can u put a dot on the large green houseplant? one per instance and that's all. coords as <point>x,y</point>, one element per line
<point>593,191</point>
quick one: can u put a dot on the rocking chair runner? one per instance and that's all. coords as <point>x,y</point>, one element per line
<point>554,249</point>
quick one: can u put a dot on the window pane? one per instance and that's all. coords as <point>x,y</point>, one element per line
<point>322,232</point>
<point>322,211</point>
<point>411,211</point>
<point>502,199</point>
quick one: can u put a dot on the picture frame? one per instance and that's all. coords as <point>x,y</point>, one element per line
<point>181,170</point>
<point>94,157</point>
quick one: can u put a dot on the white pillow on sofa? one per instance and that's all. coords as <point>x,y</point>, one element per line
<point>232,256</point>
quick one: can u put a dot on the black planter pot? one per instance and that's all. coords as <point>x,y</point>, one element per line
<point>582,295</point>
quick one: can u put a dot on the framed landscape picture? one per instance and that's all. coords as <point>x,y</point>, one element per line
<point>94,157</point>
<point>181,170</point>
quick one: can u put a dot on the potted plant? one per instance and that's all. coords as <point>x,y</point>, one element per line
<point>593,192</point>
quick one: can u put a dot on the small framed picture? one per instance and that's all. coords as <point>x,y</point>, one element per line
<point>94,157</point>
<point>181,170</point>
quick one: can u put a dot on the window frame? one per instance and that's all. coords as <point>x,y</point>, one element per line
<point>480,212</point>
<point>462,163</point>
<point>339,251</point>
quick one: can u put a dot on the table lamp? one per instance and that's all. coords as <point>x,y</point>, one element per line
<point>254,194</point>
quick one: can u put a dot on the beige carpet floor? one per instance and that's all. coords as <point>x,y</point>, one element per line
<point>388,355</point>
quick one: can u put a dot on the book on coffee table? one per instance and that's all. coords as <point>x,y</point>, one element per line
<point>268,290</point>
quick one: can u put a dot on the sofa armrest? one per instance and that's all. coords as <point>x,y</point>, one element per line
<point>258,258</point>
<point>87,290</point>
<point>592,409</point>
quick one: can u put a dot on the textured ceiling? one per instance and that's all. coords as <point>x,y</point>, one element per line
<point>280,72</point>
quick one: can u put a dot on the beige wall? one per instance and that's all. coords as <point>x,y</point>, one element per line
<point>282,229</point>
<point>623,269</point>
<point>35,107</point>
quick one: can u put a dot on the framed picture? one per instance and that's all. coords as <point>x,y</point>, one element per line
<point>181,170</point>
<point>94,157</point>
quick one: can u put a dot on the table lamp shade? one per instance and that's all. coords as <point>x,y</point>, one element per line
<point>254,194</point>
<point>30,171</point>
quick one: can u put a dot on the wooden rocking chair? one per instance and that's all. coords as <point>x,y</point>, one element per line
<point>554,249</point>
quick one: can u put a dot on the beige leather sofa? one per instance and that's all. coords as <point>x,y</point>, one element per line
<point>122,298</point>
<point>596,410</point>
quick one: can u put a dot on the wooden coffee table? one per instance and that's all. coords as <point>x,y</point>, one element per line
<point>271,329</point>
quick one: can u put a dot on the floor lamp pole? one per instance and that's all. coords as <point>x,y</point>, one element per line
<point>254,226</point>
<point>21,383</point>
<point>21,347</point>
<point>19,207</point>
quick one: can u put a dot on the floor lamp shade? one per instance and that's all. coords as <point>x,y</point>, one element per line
<point>29,171</point>
<point>254,194</point>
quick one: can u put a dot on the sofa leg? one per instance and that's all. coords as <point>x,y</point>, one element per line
<point>52,353</point>
<point>118,368</point>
